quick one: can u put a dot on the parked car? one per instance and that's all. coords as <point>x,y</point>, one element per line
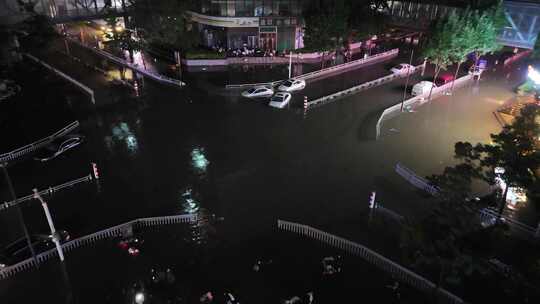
<point>292,85</point>
<point>58,147</point>
<point>258,92</point>
<point>19,250</point>
<point>423,87</point>
<point>280,100</point>
<point>402,68</point>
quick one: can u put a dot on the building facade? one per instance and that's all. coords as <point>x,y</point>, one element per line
<point>264,24</point>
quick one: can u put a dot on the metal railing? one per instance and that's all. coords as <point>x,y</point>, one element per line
<point>437,92</point>
<point>95,237</point>
<point>488,217</point>
<point>364,86</point>
<point>416,180</point>
<point>320,73</point>
<point>83,87</point>
<point>397,271</point>
<point>48,191</point>
<point>9,156</point>
<point>118,60</point>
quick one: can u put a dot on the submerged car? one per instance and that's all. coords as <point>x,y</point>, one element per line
<point>292,85</point>
<point>280,100</point>
<point>258,92</point>
<point>19,250</point>
<point>402,68</point>
<point>58,147</point>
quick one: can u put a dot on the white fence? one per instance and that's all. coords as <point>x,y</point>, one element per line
<point>358,88</point>
<point>9,156</point>
<point>323,72</point>
<point>438,91</point>
<point>115,231</point>
<point>86,89</point>
<point>397,271</point>
<point>488,217</point>
<point>416,180</point>
<point>120,61</point>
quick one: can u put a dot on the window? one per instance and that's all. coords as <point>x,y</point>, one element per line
<point>231,12</point>
<point>267,8</point>
<point>258,8</point>
<point>284,8</point>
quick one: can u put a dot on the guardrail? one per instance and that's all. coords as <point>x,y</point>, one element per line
<point>9,156</point>
<point>488,217</point>
<point>155,76</point>
<point>94,237</point>
<point>364,86</point>
<point>397,271</point>
<point>320,73</point>
<point>65,76</point>
<point>416,180</point>
<point>438,91</point>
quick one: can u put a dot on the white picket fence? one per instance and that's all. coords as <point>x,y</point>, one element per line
<point>9,156</point>
<point>397,271</point>
<point>323,72</point>
<point>416,180</point>
<point>112,232</point>
<point>437,92</point>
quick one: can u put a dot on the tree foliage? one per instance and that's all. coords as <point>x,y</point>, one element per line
<point>165,23</point>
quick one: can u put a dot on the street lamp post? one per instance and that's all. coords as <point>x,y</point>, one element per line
<point>407,81</point>
<point>290,64</point>
<point>51,224</point>
<point>19,212</point>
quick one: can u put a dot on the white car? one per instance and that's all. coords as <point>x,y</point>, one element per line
<point>280,100</point>
<point>292,85</point>
<point>402,68</point>
<point>423,87</point>
<point>258,92</point>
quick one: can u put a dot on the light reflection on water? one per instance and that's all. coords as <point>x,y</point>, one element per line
<point>122,135</point>
<point>190,204</point>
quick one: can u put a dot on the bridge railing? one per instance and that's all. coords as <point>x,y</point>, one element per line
<point>397,271</point>
<point>93,238</point>
<point>323,72</point>
<point>9,156</point>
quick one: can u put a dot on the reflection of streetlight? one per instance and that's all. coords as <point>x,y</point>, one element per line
<point>139,297</point>
<point>118,28</point>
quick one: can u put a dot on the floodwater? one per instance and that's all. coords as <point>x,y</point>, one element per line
<point>174,151</point>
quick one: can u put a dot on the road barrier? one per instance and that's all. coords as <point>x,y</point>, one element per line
<point>86,89</point>
<point>364,86</point>
<point>437,92</point>
<point>9,156</point>
<point>397,271</point>
<point>149,74</point>
<point>112,232</point>
<point>489,217</point>
<point>416,180</point>
<point>316,74</point>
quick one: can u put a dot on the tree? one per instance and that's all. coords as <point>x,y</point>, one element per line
<point>439,48</point>
<point>512,156</point>
<point>165,23</point>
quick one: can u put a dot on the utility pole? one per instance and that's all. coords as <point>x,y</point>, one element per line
<point>290,64</point>
<point>54,235</point>
<point>19,212</point>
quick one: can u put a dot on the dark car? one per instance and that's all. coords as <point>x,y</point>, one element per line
<point>58,146</point>
<point>19,250</point>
